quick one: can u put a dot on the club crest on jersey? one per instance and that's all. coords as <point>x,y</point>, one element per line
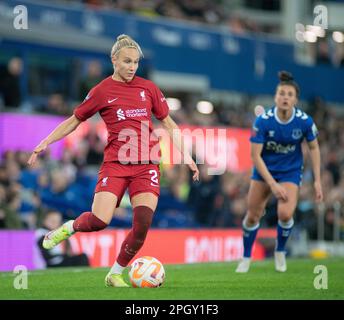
<point>104,181</point>
<point>296,134</point>
<point>143,95</point>
<point>271,133</point>
<point>314,130</point>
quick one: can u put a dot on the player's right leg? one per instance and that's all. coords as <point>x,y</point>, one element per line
<point>257,198</point>
<point>103,207</point>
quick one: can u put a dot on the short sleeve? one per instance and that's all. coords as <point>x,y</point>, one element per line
<point>258,131</point>
<point>160,107</point>
<point>311,132</point>
<point>89,106</point>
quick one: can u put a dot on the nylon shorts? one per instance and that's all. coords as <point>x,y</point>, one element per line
<point>292,176</point>
<point>115,177</point>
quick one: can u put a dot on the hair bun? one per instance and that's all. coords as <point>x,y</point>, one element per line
<point>285,76</point>
<point>122,36</point>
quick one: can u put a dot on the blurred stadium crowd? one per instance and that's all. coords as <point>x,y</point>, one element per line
<point>201,11</point>
<point>67,185</point>
<point>218,13</point>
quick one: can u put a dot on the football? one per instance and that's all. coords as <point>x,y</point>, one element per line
<point>146,272</point>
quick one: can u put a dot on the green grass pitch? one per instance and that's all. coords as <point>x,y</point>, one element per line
<point>206,281</point>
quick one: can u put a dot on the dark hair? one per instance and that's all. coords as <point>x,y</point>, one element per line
<point>286,78</point>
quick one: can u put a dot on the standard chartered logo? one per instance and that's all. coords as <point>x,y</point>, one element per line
<point>120,114</point>
<point>131,113</point>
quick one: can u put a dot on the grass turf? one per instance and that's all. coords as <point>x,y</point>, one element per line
<point>192,281</point>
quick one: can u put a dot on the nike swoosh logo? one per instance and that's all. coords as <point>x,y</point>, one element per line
<point>110,101</point>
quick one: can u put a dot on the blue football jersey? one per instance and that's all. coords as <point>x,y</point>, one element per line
<point>282,140</point>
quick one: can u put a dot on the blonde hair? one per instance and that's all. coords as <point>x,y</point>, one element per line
<point>124,41</point>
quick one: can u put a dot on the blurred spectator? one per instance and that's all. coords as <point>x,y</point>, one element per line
<point>193,9</point>
<point>93,3</point>
<point>338,55</point>
<point>178,182</point>
<point>332,165</point>
<point>57,105</point>
<point>69,168</point>
<point>323,52</point>
<point>29,208</point>
<point>10,83</point>
<point>9,204</point>
<point>93,77</point>
<point>230,203</point>
<point>61,255</point>
<point>213,12</point>
<point>207,120</point>
<point>170,9</point>
<point>236,25</point>
<point>202,196</point>
<point>145,8</point>
<point>95,147</point>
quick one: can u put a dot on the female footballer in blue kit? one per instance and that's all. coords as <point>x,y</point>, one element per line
<point>278,163</point>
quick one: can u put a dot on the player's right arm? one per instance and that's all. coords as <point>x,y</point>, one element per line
<point>61,131</point>
<point>258,138</point>
<point>174,132</point>
<point>276,188</point>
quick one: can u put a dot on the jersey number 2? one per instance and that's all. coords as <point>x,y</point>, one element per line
<point>154,178</point>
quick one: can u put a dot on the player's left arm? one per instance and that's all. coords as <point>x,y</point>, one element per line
<point>315,156</point>
<point>175,134</point>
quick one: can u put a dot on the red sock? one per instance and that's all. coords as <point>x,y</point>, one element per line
<point>142,220</point>
<point>88,222</point>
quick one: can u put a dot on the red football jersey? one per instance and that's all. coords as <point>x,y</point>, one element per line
<point>127,109</point>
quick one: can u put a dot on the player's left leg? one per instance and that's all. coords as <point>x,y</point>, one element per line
<point>285,211</point>
<point>144,205</point>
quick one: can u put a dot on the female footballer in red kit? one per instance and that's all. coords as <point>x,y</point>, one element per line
<point>126,103</point>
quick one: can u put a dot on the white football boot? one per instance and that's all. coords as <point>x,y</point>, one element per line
<point>280,261</point>
<point>244,265</point>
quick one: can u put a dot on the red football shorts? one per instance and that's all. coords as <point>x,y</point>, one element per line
<point>115,177</point>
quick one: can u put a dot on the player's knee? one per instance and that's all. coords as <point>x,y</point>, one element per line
<point>252,219</point>
<point>106,218</point>
<point>285,216</point>
<point>88,222</point>
<point>99,227</point>
<point>97,223</point>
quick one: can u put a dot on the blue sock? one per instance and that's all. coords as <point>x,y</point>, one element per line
<point>283,233</point>
<point>248,238</point>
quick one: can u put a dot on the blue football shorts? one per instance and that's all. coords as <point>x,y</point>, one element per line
<point>291,176</point>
